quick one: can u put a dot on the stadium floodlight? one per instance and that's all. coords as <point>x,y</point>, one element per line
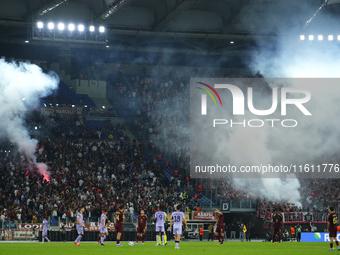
<point>101,29</point>
<point>27,41</point>
<point>320,37</point>
<point>103,107</point>
<point>61,26</point>
<point>330,37</point>
<point>40,24</point>
<point>107,46</point>
<point>231,42</point>
<point>338,37</point>
<point>85,105</point>
<point>50,25</point>
<point>73,106</point>
<point>302,37</point>
<point>71,27</point>
<point>91,28</point>
<point>81,28</point>
<point>311,37</point>
<point>36,128</point>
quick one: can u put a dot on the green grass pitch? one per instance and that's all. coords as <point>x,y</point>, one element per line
<point>149,248</point>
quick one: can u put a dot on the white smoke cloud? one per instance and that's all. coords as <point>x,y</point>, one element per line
<point>300,59</point>
<point>21,86</point>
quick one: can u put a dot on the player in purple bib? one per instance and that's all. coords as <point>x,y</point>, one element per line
<point>102,227</point>
<point>160,218</point>
<point>176,219</point>
<point>44,232</point>
<point>80,226</point>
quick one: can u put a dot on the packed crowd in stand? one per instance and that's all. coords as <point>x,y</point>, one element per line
<point>101,166</point>
<point>90,172</point>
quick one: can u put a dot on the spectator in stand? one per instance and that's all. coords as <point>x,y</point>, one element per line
<point>313,228</point>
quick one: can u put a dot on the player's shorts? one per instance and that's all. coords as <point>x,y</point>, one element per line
<point>277,230</point>
<point>177,231</point>
<point>119,228</point>
<point>219,229</point>
<point>44,232</point>
<point>103,230</point>
<point>332,232</point>
<point>159,228</point>
<point>80,230</point>
<point>140,230</point>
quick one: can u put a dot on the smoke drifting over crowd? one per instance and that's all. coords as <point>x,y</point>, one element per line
<point>314,139</point>
<point>21,86</point>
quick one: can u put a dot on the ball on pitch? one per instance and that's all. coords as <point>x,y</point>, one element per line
<point>130,243</point>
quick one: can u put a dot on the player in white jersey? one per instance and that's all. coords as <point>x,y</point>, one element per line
<point>44,232</point>
<point>176,219</point>
<point>102,227</point>
<point>159,217</point>
<point>80,226</point>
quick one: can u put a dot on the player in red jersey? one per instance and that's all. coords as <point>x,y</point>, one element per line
<point>141,226</point>
<point>277,225</point>
<point>219,232</point>
<point>119,219</point>
<point>332,227</point>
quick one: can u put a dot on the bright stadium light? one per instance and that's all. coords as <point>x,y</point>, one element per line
<point>91,28</point>
<point>40,25</point>
<point>302,37</point>
<point>330,37</point>
<point>101,29</point>
<point>81,28</point>
<point>338,37</point>
<point>71,27</point>
<point>50,25</point>
<point>61,26</point>
<point>320,37</point>
<point>311,37</point>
